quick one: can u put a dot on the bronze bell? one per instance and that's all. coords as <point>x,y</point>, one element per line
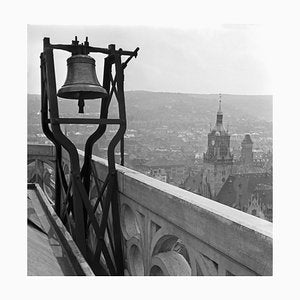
<point>81,82</point>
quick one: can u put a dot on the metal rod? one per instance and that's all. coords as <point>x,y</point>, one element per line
<point>68,145</point>
<point>115,201</point>
<point>49,133</point>
<point>100,194</point>
<point>122,151</point>
<point>84,121</point>
<point>89,49</point>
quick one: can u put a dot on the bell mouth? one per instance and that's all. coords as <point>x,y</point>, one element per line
<point>82,91</point>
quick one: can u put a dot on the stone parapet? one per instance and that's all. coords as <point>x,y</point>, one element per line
<point>169,231</point>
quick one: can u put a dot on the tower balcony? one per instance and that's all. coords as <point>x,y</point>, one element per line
<point>167,230</point>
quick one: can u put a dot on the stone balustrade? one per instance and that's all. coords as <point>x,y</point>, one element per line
<point>169,231</point>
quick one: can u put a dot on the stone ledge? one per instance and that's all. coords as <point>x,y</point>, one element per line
<point>243,237</point>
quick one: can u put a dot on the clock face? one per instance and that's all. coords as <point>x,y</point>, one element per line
<point>212,142</point>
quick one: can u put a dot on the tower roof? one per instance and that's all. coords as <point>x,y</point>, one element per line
<point>247,139</point>
<point>219,122</point>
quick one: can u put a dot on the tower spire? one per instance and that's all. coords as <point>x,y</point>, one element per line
<point>219,113</point>
<point>220,102</point>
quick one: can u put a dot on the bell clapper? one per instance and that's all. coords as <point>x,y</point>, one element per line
<point>80,105</point>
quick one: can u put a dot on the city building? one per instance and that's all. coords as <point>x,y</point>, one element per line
<point>169,171</point>
<point>247,150</point>
<point>217,162</point>
<point>247,163</point>
<point>245,183</point>
<point>251,193</point>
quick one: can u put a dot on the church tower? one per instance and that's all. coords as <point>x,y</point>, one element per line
<point>247,150</point>
<point>218,159</point>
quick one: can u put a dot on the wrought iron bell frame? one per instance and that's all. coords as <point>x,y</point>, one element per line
<point>73,198</point>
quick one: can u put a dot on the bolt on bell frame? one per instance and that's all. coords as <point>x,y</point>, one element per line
<point>72,199</point>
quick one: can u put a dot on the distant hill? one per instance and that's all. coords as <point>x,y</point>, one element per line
<point>257,106</point>
<point>144,105</point>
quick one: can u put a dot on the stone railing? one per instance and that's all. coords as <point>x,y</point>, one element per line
<point>170,231</point>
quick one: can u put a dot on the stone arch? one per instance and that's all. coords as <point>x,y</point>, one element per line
<point>135,258</point>
<point>169,256</point>
<point>169,263</point>
<point>129,223</point>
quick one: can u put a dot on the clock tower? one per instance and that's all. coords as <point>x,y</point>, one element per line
<point>218,159</point>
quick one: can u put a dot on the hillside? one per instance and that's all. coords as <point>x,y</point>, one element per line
<point>242,113</point>
<point>157,104</point>
<point>256,106</point>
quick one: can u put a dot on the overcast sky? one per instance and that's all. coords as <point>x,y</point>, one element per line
<point>220,59</point>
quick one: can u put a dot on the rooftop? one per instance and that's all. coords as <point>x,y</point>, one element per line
<point>164,163</point>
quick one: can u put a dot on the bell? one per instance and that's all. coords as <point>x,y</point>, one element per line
<point>81,82</point>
